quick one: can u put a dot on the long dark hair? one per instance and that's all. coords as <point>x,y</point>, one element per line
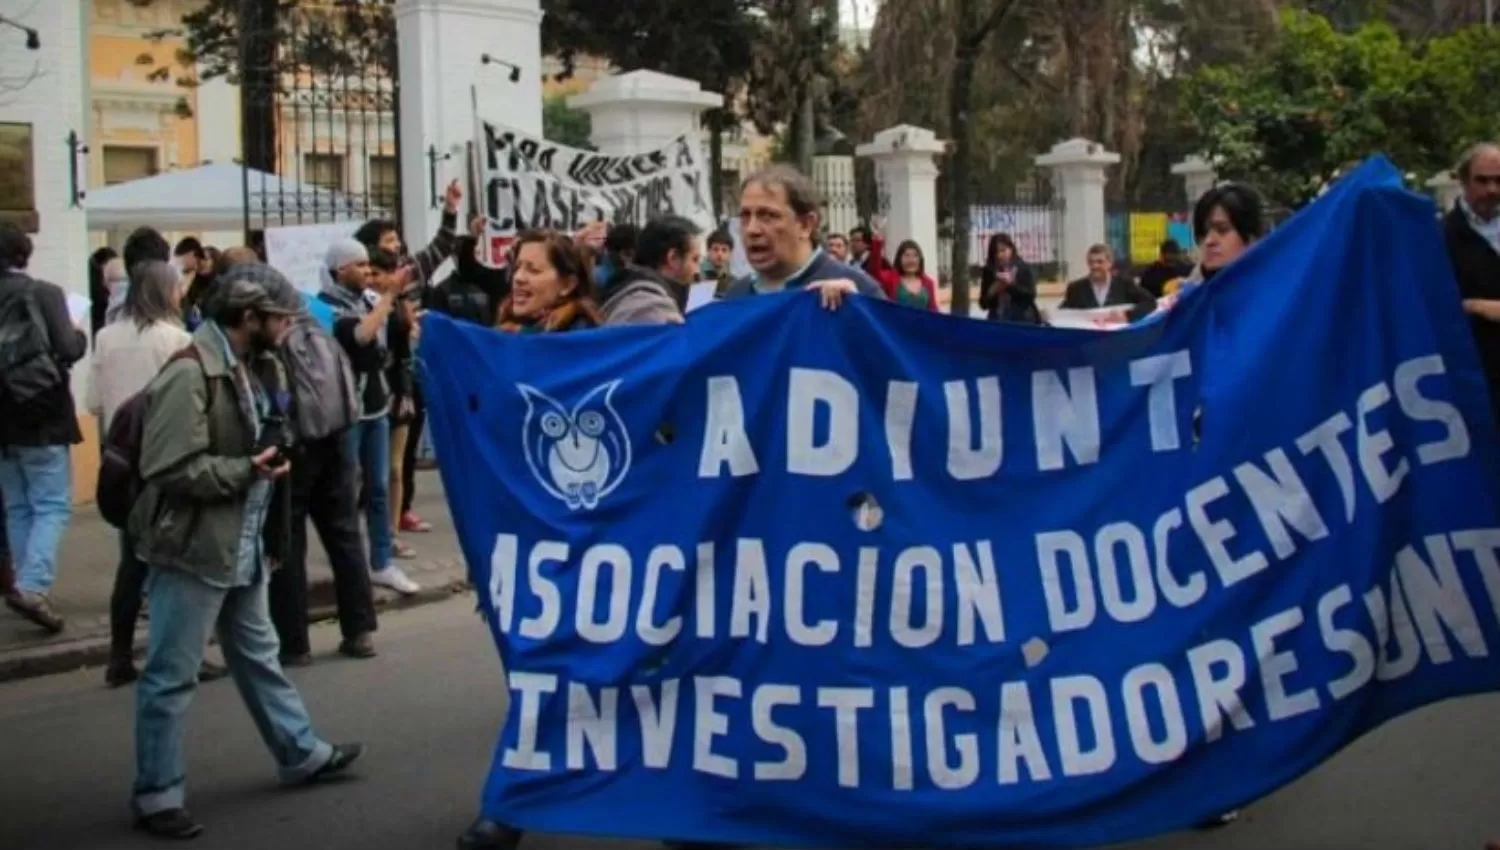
<point>910,245</point>
<point>98,293</point>
<point>991,265</point>
<point>153,287</point>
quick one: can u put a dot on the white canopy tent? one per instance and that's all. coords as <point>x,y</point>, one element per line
<point>212,198</point>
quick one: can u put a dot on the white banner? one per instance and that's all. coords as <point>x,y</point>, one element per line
<point>528,183</point>
<point>299,251</point>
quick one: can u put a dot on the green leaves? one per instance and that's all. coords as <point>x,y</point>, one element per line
<point>1291,117</point>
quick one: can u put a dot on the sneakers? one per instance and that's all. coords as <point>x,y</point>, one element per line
<point>37,608</point>
<point>413,524</point>
<point>395,579</point>
<point>343,755</point>
<point>403,551</point>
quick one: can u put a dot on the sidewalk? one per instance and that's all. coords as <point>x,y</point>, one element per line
<point>86,574</point>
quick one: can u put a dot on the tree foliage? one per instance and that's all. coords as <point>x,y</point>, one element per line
<point>1294,115</point>
<point>563,124</point>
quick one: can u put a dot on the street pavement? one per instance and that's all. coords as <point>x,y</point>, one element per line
<point>429,708</point>
<point>86,573</point>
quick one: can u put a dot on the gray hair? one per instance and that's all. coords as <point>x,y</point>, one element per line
<point>1466,162</point>
<point>152,296</point>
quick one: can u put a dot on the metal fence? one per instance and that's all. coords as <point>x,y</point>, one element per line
<point>334,104</point>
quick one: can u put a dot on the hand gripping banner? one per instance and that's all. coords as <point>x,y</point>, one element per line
<point>886,578</point>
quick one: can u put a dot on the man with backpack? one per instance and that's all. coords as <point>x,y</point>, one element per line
<point>212,450</point>
<point>324,406</point>
<point>38,423</point>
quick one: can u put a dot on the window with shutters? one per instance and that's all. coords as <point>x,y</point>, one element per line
<point>324,170</point>
<point>124,163</point>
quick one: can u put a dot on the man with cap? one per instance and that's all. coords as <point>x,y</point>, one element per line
<point>364,308</point>
<point>210,458</point>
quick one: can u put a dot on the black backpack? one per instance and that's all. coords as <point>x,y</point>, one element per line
<point>28,367</point>
<point>120,484</point>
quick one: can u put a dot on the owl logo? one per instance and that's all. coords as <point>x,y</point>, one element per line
<point>578,456</point>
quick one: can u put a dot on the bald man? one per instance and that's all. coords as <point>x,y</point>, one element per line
<point>1472,233</point>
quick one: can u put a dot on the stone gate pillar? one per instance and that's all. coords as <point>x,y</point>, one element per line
<point>905,160</point>
<point>1078,173</point>
<point>440,47</point>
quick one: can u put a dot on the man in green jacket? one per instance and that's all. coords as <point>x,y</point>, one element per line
<point>210,458</point>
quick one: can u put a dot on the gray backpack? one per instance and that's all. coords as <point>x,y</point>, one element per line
<point>325,398</point>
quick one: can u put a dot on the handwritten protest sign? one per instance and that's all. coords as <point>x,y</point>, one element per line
<point>527,182</point>
<point>298,251</point>
<point>881,577</point>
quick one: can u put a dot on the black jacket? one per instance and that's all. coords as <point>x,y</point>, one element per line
<point>1122,292</point>
<point>369,361</point>
<point>52,420</point>
<point>1477,267</point>
<point>473,292</point>
<point>1014,303</point>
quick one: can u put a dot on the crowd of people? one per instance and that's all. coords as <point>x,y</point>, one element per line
<point>241,408</point>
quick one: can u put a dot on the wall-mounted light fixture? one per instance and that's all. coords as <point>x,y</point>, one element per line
<point>33,41</point>
<point>515,70</point>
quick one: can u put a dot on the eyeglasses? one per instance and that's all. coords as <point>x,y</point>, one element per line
<point>1485,179</point>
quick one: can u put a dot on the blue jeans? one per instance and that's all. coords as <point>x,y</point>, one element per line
<point>370,446</point>
<point>183,611</point>
<point>38,489</point>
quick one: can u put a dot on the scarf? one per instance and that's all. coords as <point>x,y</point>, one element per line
<point>559,318</point>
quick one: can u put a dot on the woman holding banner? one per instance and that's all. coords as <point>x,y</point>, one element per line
<point>552,291</point>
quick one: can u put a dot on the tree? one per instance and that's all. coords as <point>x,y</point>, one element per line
<point>254,43</point>
<point>709,41</point>
<point>975,22</point>
<point>563,124</point>
<point>1293,116</point>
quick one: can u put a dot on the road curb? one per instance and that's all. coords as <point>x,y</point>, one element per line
<point>93,650</point>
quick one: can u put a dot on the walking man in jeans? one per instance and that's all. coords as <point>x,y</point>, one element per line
<point>35,475</point>
<point>364,304</point>
<point>210,457</point>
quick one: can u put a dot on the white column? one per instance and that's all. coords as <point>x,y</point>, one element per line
<point>44,90</point>
<point>834,177</point>
<point>906,166</point>
<point>1446,190</point>
<point>440,45</point>
<point>644,110</point>
<point>1078,167</point>
<point>217,114</point>
<point>1198,176</point>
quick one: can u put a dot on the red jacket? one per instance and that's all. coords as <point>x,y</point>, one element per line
<point>890,279</point>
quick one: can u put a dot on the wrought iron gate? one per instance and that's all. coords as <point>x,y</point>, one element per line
<point>320,115</point>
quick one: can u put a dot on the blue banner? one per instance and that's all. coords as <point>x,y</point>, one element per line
<point>881,577</point>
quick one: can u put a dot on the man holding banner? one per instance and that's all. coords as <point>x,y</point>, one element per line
<point>779,225</point>
<point>700,643</point>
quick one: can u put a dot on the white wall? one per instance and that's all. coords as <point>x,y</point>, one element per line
<point>45,88</point>
<point>440,44</point>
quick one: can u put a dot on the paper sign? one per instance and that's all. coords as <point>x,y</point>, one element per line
<point>1105,318</point>
<point>78,309</point>
<point>700,294</point>
<point>299,251</point>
